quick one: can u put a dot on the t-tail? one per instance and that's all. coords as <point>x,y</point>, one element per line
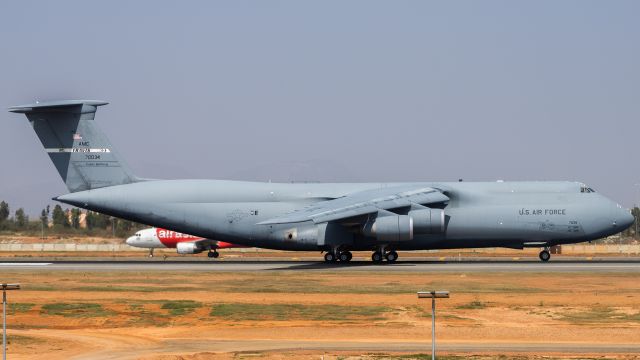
<point>82,154</point>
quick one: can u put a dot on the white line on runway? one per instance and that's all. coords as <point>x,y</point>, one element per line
<point>24,264</point>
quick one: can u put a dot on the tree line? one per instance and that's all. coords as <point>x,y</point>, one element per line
<point>59,221</point>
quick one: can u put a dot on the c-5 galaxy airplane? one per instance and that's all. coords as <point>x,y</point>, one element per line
<point>335,218</point>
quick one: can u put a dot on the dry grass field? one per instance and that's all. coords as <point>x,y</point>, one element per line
<point>298,314</point>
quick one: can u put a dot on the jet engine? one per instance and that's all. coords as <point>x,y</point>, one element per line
<point>391,228</point>
<point>188,248</point>
<point>428,221</point>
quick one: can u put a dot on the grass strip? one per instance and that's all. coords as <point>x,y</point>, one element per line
<point>243,311</point>
<point>75,310</point>
<point>180,307</point>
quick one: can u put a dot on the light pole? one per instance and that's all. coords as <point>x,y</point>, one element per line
<point>6,287</point>
<point>433,295</point>
<point>637,204</point>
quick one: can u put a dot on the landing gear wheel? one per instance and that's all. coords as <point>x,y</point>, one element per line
<point>545,255</point>
<point>330,257</point>
<point>391,256</point>
<point>345,256</point>
<point>151,252</point>
<point>213,254</point>
<point>376,257</point>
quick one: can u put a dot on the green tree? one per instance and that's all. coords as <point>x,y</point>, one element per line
<point>75,218</point>
<point>59,217</point>
<point>636,223</point>
<point>44,218</point>
<point>21,219</point>
<point>4,211</point>
<point>98,221</point>
<point>91,220</point>
<point>125,227</point>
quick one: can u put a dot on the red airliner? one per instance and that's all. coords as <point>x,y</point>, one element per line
<point>157,238</point>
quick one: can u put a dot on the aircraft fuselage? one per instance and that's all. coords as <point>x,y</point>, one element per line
<point>478,214</point>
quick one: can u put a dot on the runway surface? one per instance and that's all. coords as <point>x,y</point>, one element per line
<point>612,265</point>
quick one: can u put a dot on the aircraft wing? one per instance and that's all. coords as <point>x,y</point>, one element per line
<point>362,203</point>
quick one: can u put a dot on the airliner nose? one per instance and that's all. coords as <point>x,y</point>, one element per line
<point>625,219</point>
<point>130,241</point>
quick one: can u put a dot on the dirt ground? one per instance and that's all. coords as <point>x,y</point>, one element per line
<point>313,315</point>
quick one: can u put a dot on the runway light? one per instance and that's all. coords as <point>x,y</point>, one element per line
<point>5,287</point>
<point>433,295</point>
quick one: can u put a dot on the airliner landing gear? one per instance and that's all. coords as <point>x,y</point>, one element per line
<point>335,255</point>
<point>345,256</point>
<point>151,252</point>
<point>213,254</point>
<point>380,255</point>
<point>330,257</point>
<point>391,256</point>
<point>545,255</point>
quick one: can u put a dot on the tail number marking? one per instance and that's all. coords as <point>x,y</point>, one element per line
<point>78,150</point>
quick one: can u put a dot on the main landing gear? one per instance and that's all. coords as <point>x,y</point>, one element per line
<point>335,256</point>
<point>545,255</point>
<point>379,255</point>
<point>213,254</point>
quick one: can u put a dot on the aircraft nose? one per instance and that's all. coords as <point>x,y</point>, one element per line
<point>130,241</point>
<point>624,218</point>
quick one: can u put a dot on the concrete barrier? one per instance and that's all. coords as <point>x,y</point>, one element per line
<point>71,247</point>
<point>68,247</point>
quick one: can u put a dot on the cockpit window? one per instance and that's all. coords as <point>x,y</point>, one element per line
<point>585,189</point>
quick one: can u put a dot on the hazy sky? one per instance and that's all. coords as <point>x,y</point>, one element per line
<point>332,91</point>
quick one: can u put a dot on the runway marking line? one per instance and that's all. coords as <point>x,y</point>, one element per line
<point>24,264</point>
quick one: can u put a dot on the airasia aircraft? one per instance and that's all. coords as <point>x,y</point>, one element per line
<point>157,238</point>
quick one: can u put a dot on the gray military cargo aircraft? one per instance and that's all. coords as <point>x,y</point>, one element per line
<point>335,218</point>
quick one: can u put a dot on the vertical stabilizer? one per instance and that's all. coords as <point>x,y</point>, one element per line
<point>81,153</point>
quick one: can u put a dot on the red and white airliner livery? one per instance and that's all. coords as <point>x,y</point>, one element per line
<point>157,238</point>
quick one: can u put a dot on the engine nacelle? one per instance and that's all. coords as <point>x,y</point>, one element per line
<point>428,221</point>
<point>188,248</point>
<point>391,228</point>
